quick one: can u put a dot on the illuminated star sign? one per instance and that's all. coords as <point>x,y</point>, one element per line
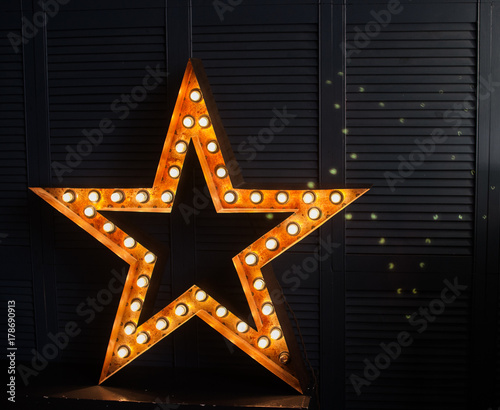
<point>195,119</point>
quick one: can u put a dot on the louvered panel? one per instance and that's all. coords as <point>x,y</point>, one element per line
<point>97,81</point>
<point>409,83</point>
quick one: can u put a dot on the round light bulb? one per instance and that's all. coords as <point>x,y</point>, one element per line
<point>212,147</point>
<point>123,352</point>
<point>188,121</point>
<point>94,196</point>
<point>89,212</point>
<point>181,147</point>
<point>221,172</point>
<point>230,197</point>
<point>293,229</point>
<point>276,333</point>
<point>142,281</point>
<point>204,121</point>
<point>221,311</point>
<point>69,196</point>
<point>161,324</point>
<point>117,196</point>
<point>181,309</point>
<point>142,338</point>
<point>136,305</point>
<point>174,172</point>
<point>259,284</point>
<point>282,197</point>
<point>336,197</point>
<point>129,328</point>
<point>267,309</point>
<point>109,227</point>
<point>314,213</point>
<point>142,196</point>
<point>150,257</point>
<point>263,342</point>
<point>195,95</point>
<point>309,197</point>
<point>167,197</point>
<point>256,197</point>
<point>272,244</point>
<point>200,296</point>
<point>251,259</point>
<point>242,327</point>
<point>129,242</point>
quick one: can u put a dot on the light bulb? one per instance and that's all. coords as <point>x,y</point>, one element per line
<point>272,244</point>
<point>195,95</point>
<point>150,257</point>
<point>142,338</point>
<point>89,212</point>
<point>181,309</point>
<point>167,197</point>
<point>188,121</point>
<point>109,227</point>
<point>174,172</point>
<point>142,196</point>
<point>221,311</point>
<point>142,281</point>
<point>129,328</point>
<point>94,196</point>
<point>276,333</point>
<point>129,242</point>
<point>230,197</point>
<point>69,196</point>
<point>221,172</point>
<point>267,309</point>
<point>259,284</point>
<point>309,197</point>
<point>123,352</point>
<point>256,197</point>
<point>336,197</point>
<point>242,327</point>
<point>263,342</point>
<point>314,213</point>
<point>282,197</point>
<point>251,259</point>
<point>204,121</point>
<point>200,296</point>
<point>293,228</point>
<point>181,147</point>
<point>136,305</point>
<point>117,196</point>
<point>162,323</point>
<point>212,147</point>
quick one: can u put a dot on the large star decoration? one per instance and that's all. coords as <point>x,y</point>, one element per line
<point>195,119</point>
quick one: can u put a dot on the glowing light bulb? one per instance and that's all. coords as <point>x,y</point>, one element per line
<point>167,197</point>
<point>276,333</point>
<point>230,197</point>
<point>181,147</point>
<point>212,147</point>
<point>272,244</point>
<point>117,196</point>
<point>200,296</point>
<point>259,284</point>
<point>242,327</point>
<point>181,309</point>
<point>221,311</point>
<point>150,257</point>
<point>129,242</point>
<point>204,121</point>
<point>136,305</point>
<point>109,227</point>
<point>142,196</point>
<point>94,196</point>
<point>314,213</point>
<point>123,352</point>
<point>282,197</point>
<point>142,281</point>
<point>309,197</point>
<point>142,338</point>
<point>267,309</point>
<point>251,259</point>
<point>256,197</point>
<point>195,95</point>
<point>188,121</point>
<point>293,229</point>
<point>174,172</point>
<point>129,328</point>
<point>69,196</point>
<point>162,323</point>
<point>263,342</point>
<point>89,212</point>
<point>221,172</point>
<point>336,197</point>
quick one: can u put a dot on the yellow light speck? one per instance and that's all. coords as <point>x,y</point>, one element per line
<point>345,131</point>
<point>311,184</point>
<point>422,105</point>
<point>361,89</point>
<point>422,265</point>
<point>402,120</point>
<point>400,291</point>
<point>414,291</point>
<point>460,217</point>
<point>391,266</point>
<point>373,216</point>
<point>348,216</point>
<point>381,104</point>
<point>459,133</point>
<point>328,82</point>
<point>441,91</point>
<point>453,157</point>
<point>428,241</point>
<point>340,73</point>
<point>435,217</point>
<point>354,155</point>
<point>381,241</point>
<point>333,171</point>
<point>337,106</point>
<point>269,216</point>
<point>408,317</point>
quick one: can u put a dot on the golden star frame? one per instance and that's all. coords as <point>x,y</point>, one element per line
<point>195,119</point>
